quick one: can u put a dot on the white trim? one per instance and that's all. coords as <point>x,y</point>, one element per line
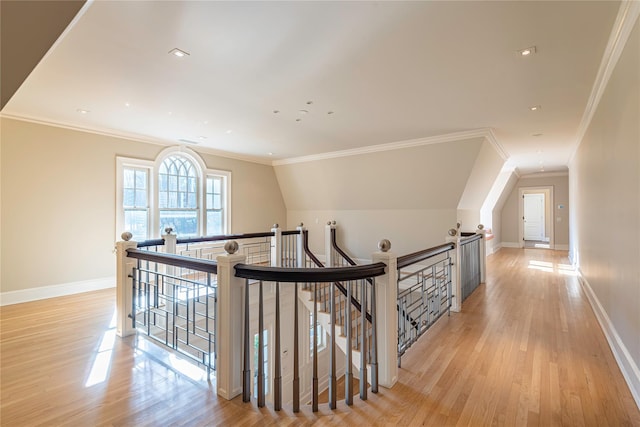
<point>137,138</point>
<point>547,190</point>
<point>45,292</point>
<point>543,175</point>
<point>627,15</point>
<point>121,163</point>
<point>509,245</point>
<point>630,371</point>
<point>486,133</point>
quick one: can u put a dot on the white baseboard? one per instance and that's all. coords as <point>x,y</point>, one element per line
<point>561,247</point>
<point>44,292</point>
<point>629,368</point>
<point>509,245</point>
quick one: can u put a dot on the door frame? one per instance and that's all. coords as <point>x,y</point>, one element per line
<point>547,190</point>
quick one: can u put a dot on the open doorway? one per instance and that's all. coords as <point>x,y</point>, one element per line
<point>536,225</point>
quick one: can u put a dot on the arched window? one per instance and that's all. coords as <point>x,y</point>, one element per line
<point>176,190</point>
<point>178,205</point>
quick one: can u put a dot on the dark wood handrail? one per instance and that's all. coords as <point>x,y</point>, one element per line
<point>470,239</point>
<point>219,237</point>
<point>305,246</point>
<point>224,237</point>
<point>337,248</point>
<point>414,257</point>
<point>206,266</point>
<point>309,275</point>
<point>153,242</point>
<point>340,286</point>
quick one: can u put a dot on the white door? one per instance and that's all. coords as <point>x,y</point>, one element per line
<point>534,217</point>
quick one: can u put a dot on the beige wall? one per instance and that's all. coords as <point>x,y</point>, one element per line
<point>58,202</point>
<point>510,216</point>
<point>484,174</point>
<point>408,196</point>
<point>605,194</point>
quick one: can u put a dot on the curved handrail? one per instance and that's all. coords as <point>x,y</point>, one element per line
<point>414,257</point>
<point>338,249</point>
<point>206,266</point>
<point>339,286</point>
<point>470,239</point>
<point>305,246</point>
<point>309,275</point>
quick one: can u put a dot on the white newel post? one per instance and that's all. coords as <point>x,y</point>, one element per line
<point>170,241</point>
<point>454,237</point>
<point>328,247</point>
<point>483,253</point>
<point>276,246</point>
<point>229,325</point>
<point>300,246</point>
<point>124,288</point>
<point>387,315</point>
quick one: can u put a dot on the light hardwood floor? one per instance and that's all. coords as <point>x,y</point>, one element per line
<point>526,350</point>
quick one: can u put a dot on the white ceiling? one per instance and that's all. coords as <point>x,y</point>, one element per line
<point>390,72</point>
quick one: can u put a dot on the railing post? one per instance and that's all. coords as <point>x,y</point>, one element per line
<point>456,256</point>
<point>170,241</point>
<point>387,315</point>
<point>229,324</point>
<point>328,247</point>
<point>124,287</point>
<point>276,246</point>
<point>483,253</point>
<point>300,246</point>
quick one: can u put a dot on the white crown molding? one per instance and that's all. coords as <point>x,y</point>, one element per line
<point>543,175</point>
<point>138,138</point>
<point>486,133</point>
<point>627,15</point>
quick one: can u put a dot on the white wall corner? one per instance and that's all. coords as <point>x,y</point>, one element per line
<point>630,370</point>
<point>45,292</point>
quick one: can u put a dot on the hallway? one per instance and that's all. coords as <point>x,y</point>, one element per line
<point>526,350</point>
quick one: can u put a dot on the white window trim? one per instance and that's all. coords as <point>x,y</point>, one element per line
<point>153,166</point>
<point>121,163</point>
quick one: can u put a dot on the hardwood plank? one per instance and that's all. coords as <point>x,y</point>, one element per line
<point>525,350</point>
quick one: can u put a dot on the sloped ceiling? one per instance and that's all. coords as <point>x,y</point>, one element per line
<point>389,72</point>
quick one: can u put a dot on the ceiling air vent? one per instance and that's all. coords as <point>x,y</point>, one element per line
<point>188,141</point>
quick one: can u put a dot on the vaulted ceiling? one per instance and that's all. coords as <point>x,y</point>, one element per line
<point>279,80</point>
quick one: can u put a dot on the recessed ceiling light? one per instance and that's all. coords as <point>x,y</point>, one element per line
<point>229,131</point>
<point>537,134</point>
<point>527,51</point>
<point>188,141</point>
<point>309,102</point>
<point>206,122</point>
<point>535,108</point>
<point>126,104</point>
<point>202,137</point>
<point>329,112</point>
<point>82,111</point>
<point>303,111</point>
<point>276,111</point>
<point>270,154</point>
<point>297,120</point>
<point>178,53</point>
<point>170,113</point>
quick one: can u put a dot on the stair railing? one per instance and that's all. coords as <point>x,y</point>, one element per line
<point>316,278</point>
